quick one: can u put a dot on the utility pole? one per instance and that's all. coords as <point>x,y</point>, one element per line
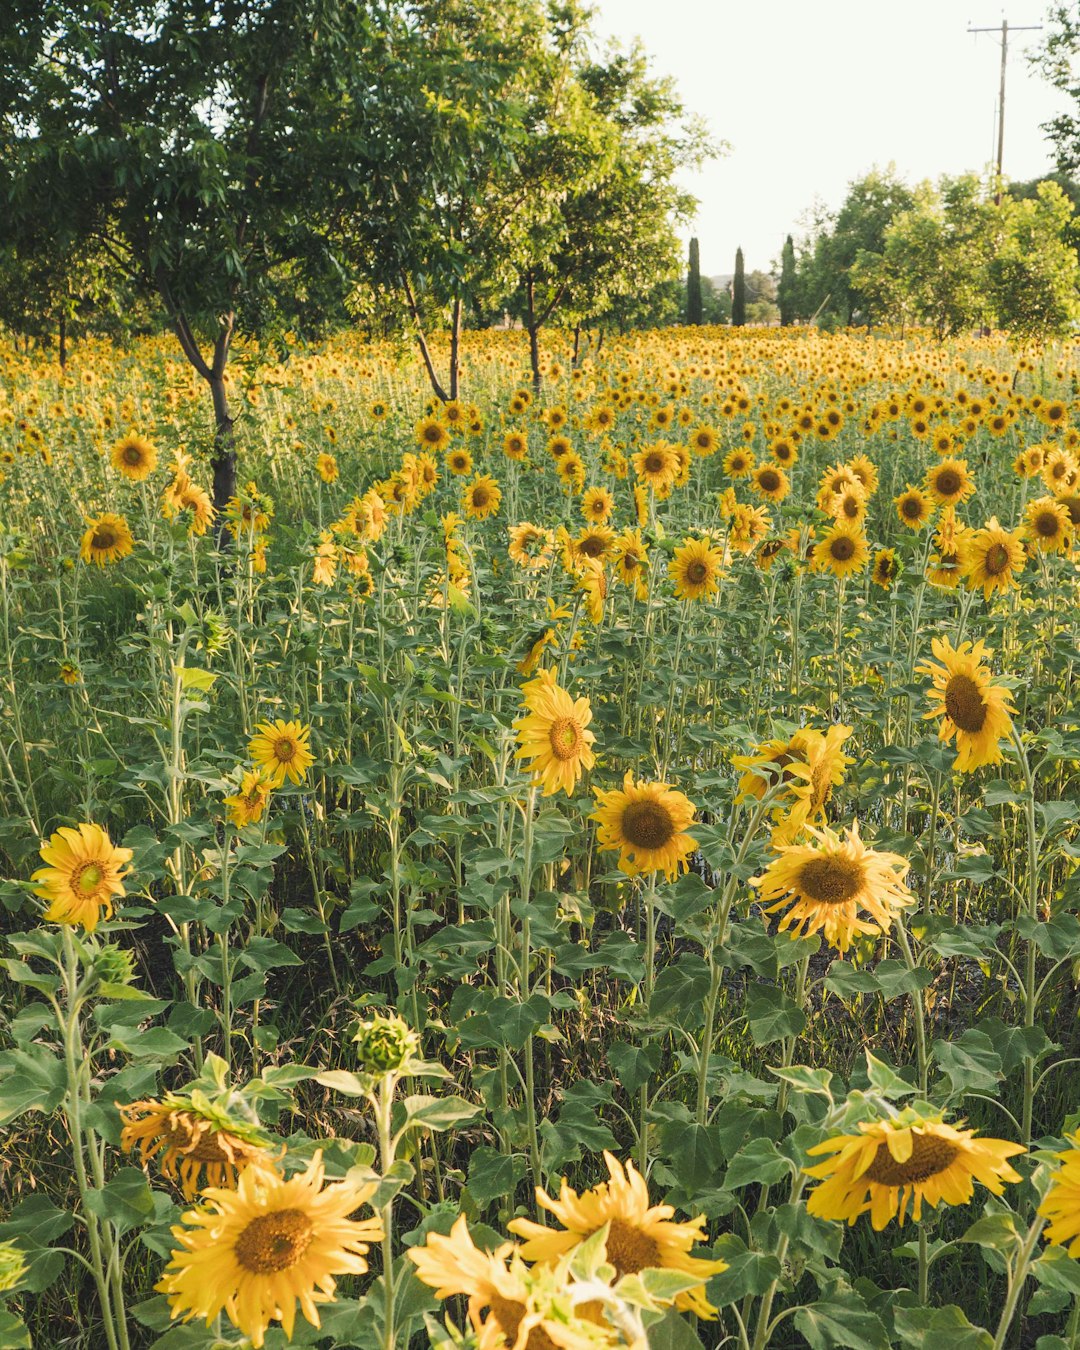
<point>1027,28</point>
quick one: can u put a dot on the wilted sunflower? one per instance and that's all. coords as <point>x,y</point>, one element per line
<point>893,1164</point>
<point>281,749</point>
<point>83,873</point>
<point>107,540</point>
<point>991,558</point>
<point>640,1236</point>
<point>749,526</point>
<point>843,550</point>
<point>553,736</point>
<point>247,804</point>
<point>1047,525</point>
<point>696,569</point>
<point>973,709</point>
<point>481,498</point>
<point>914,507</point>
<point>950,481</point>
<point>198,1142</point>
<point>824,885</point>
<point>647,823</point>
<point>257,1252</point>
<point>134,457</point>
<point>887,568</point>
<point>1061,1205</point>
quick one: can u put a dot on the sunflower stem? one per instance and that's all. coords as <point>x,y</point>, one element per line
<point>1032,906</point>
<point>1017,1278</point>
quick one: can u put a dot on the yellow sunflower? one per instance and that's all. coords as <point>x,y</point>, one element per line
<point>950,481</point>
<point>640,1236</point>
<point>973,710</point>
<point>594,541</point>
<point>704,441</point>
<point>198,1143</point>
<point>887,569</point>
<point>1047,525</point>
<point>460,461</point>
<point>843,550</point>
<point>107,540</point>
<point>258,1252</point>
<point>696,569</point>
<point>1061,1206</point>
<point>992,557</point>
<point>247,804</point>
<point>83,872</point>
<point>893,1164</point>
<point>481,498</point>
<point>749,526</point>
<point>593,583</point>
<point>630,556</point>
<point>771,481</point>
<point>326,466</point>
<point>657,466</point>
<point>432,434</point>
<point>808,765</point>
<point>281,749</point>
<point>553,736</point>
<point>531,546</point>
<point>597,504</point>
<point>739,462</point>
<point>647,824</point>
<point>134,457</point>
<point>914,507</point>
<point>825,884</point>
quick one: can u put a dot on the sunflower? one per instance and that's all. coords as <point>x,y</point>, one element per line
<point>783,451</point>
<point>1061,1205</point>
<point>771,481</point>
<point>739,462</point>
<point>1047,525</point>
<point>950,481</point>
<point>749,526</point>
<point>594,542</point>
<point>704,441</point>
<point>696,569</point>
<point>526,1309</point>
<point>849,504</point>
<point>973,710</point>
<point>893,1164</point>
<point>630,556</point>
<point>481,498</point>
<point>84,871</point>
<point>887,569</point>
<point>281,749</point>
<point>531,546</point>
<point>515,445</point>
<point>199,1143</point>
<point>593,584</point>
<point>69,672</point>
<point>247,804</point>
<point>432,434</point>
<point>460,461</point>
<point>1029,462</point>
<point>553,735</point>
<point>647,823</point>
<point>107,540</point>
<point>640,1236</point>
<point>808,764</point>
<point>657,465</point>
<point>257,1252</point>
<point>991,558</point>
<point>326,466</point>
<point>826,883</point>
<point>843,550</point>
<point>134,457</point>
<point>597,504</point>
<point>1058,469</point>
<point>914,507</point>
<point>570,471</point>
<point>559,446</point>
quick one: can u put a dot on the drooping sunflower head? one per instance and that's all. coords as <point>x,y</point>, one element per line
<point>83,874</point>
<point>247,805</point>
<point>647,824</point>
<point>198,1142</point>
<point>973,710</point>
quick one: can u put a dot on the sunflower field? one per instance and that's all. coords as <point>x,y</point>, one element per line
<point>590,863</point>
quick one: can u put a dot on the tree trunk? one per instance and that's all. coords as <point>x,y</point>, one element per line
<point>577,346</point>
<point>534,333</point>
<point>63,341</point>
<point>421,340</point>
<point>455,348</point>
<point>224,456</point>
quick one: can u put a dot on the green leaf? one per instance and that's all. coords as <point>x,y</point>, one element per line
<point>13,1332</point>
<point>30,1080</point>
<point>493,1175</point>
<point>843,1319</point>
<point>672,1332</point>
<point>191,677</point>
<point>772,1015</point>
<point>804,1079</point>
<point>747,1273</point>
<point>885,1080</point>
<point>996,1231</point>
<point>1055,1269</point>
<point>126,1200</point>
<point>758,1162</point>
<point>437,1113</point>
<point>634,1065</point>
<point>930,1328</point>
<point>971,1063</point>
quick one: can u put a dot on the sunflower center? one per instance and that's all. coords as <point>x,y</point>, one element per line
<point>274,1242</point>
<point>654,463</point>
<point>830,880</point>
<point>284,750</point>
<point>508,1313</point>
<point>104,537</point>
<point>630,561</point>
<point>769,480</point>
<point>850,507</point>
<point>87,878</point>
<point>964,703</point>
<point>1047,524</point>
<point>696,572</point>
<point>912,508</point>
<point>948,482</point>
<point>480,497</point>
<point>630,1250</point>
<point>433,435</point>
<point>997,560</point>
<point>842,548</point>
<point>132,455</point>
<point>565,737</point>
<point>930,1156</point>
<point>647,825</point>
<point>592,547</point>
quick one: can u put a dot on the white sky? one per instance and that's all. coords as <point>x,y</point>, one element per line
<point>813,93</point>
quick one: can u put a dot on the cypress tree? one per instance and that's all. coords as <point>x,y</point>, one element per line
<point>693,285</point>
<point>785,293</point>
<point>738,291</point>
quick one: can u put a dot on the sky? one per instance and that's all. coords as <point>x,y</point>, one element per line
<point>810,95</point>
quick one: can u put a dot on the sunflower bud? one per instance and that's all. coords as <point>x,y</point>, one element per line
<point>114,965</point>
<point>385,1044</point>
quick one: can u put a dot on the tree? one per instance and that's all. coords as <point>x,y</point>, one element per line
<point>182,140</point>
<point>1033,271</point>
<point>738,291</point>
<point>715,302</point>
<point>1056,60</point>
<point>693,285</point>
<point>786,292</point>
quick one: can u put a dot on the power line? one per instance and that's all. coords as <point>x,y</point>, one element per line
<point>1004,30</point>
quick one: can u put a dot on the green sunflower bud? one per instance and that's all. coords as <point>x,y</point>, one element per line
<point>385,1044</point>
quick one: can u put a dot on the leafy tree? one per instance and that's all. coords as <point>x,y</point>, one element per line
<point>1057,59</point>
<point>693,285</point>
<point>715,302</point>
<point>1033,271</point>
<point>787,290</point>
<point>197,145</point>
<point>738,291</point>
